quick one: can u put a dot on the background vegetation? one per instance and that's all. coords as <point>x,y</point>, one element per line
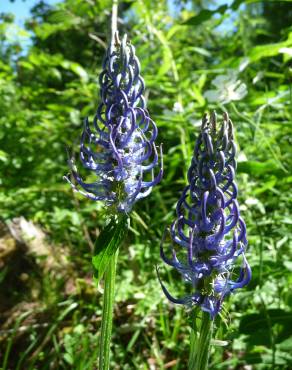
<point>196,56</point>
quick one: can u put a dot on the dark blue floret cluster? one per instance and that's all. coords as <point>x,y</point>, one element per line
<point>208,235</point>
<point>119,149</point>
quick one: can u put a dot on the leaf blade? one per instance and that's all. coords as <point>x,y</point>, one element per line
<point>107,244</point>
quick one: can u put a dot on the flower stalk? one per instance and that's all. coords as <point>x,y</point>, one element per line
<point>200,344</point>
<point>110,272</point>
<point>107,313</point>
<point>119,153</point>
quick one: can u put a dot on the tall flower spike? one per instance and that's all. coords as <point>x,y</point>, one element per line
<point>209,235</point>
<point>119,148</point>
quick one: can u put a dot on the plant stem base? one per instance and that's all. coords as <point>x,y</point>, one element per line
<point>107,313</point>
<point>200,345</point>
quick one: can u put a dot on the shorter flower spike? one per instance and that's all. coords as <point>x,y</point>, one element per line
<point>209,235</point>
<point>119,148</point>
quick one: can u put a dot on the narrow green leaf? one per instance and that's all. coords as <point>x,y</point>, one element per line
<point>107,244</point>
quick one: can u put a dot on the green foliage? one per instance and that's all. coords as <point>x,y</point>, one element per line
<point>194,59</point>
<point>205,15</point>
<point>107,244</point>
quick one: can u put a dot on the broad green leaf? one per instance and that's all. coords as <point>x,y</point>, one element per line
<point>286,345</point>
<point>251,322</point>
<point>25,64</point>
<point>259,168</point>
<point>76,68</point>
<point>205,15</point>
<point>107,244</point>
<point>236,4</point>
<point>3,156</point>
<point>269,50</point>
<point>60,21</point>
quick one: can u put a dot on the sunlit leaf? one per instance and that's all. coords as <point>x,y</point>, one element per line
<point>205,15</point>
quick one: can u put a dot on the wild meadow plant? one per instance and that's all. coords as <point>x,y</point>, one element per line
<point>120,154</point>
<point>209,235</point>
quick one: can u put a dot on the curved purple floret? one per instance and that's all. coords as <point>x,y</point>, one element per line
<point>119,147</point>
<point>209,235</point>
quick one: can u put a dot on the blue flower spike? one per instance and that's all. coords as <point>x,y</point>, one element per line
<point>119,147</point>
<point>209,235</point>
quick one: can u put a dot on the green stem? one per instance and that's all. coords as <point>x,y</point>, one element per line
<point>193,346</point>
<point>200,345</point>
<point>107,313</point>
